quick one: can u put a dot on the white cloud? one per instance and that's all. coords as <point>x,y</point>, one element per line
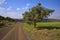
<point>1,8</point>
<point>26,7</point>
<point>2,11</point>
<point>18,9</point>
<point>27,4</point>
<point>9,8</point>
<point>5,13</point>
<point>23,8</point>
<point>8,13</point>
<point>14,15</point>
<point>2,1</point>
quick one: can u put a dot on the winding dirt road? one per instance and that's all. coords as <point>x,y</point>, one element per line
<point>16,33</point>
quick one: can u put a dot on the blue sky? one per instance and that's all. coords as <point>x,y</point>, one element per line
<point>15,8</point>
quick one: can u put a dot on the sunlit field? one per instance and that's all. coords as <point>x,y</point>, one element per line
<point>44,33</point>
<point>48,25</point>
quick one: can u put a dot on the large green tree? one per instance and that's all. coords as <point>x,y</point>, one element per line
<point>36,13</point>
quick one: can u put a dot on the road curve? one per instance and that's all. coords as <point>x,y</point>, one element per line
<point>16,33</point>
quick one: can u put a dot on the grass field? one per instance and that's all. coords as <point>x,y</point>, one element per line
<point>48,25</point>
<point>44,34</point>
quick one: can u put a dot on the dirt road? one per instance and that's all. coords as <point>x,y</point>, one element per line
<point>16,33</point>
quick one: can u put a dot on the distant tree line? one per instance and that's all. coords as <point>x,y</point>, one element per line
<point>6,18</point>
<point>4,21</point>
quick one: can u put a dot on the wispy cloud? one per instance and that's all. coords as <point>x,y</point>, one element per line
<point>4,12</point>
<point>2,8</point>
<point>9,8</point>
<point>26,7</point>
<point>18,9</point>
<point>14,15</point>
<point>27,4</point>
<point>2,1</point>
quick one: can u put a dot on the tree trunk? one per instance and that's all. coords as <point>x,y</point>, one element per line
<point>34,23</point>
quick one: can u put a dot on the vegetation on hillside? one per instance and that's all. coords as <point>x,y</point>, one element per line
<point>6,18</point>
<point>6,22</point>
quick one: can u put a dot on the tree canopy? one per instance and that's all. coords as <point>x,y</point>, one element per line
<point>36,13</point>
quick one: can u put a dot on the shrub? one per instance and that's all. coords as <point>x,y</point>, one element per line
<point>1,25</point>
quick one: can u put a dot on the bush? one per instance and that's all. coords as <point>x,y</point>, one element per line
<point>1,25</point>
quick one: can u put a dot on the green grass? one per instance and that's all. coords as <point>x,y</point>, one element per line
<point>30,30</point>
<point>49,25</point>
<point>53,34</point>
